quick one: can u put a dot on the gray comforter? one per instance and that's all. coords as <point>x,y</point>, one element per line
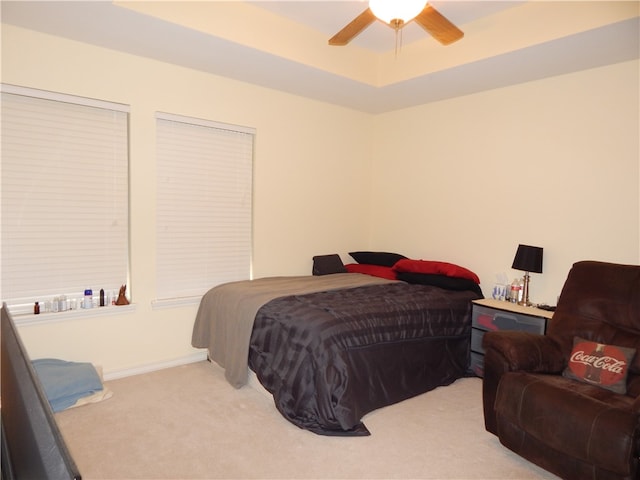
<point>226,314</point>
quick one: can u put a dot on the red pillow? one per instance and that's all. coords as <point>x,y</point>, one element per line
<point>439,268</point>
<point>374,270</point>
<point>598,364</point>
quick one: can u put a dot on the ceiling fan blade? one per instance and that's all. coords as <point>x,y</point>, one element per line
<point>438,26</point>
<point>354,28</point>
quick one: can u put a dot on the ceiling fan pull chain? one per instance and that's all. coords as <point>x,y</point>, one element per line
<point>396,50</point>
<point>397,26</point>
<point>398,42</point>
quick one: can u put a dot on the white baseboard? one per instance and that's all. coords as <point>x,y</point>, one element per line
<point>152,367</point>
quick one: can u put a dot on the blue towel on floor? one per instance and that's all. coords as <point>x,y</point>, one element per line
<point>65,383</point>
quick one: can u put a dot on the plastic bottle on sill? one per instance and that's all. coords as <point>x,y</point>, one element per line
<point>88,299</point>
<point>63,305</point>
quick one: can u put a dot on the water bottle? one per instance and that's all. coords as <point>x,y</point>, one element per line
<point>514,291</point>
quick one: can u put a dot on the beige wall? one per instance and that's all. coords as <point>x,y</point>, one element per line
<point>444,179</point>
<point>552,163</point>
<point>311,183</point>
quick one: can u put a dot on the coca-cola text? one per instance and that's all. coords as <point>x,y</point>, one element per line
<point>606,363</point>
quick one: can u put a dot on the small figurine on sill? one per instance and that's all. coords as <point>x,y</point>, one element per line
<point>122,297</point>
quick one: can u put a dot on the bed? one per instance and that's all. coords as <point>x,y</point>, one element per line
<point>332,348</point>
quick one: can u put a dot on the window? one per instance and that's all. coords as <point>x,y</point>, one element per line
<point>204,200</point>
<point>64,222</point>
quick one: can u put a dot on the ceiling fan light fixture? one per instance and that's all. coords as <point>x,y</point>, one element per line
<point>396,12</point>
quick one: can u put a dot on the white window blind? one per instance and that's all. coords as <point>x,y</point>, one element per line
<point>64,195</point>
<point>204,202</point>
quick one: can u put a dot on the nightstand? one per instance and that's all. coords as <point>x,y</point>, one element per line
<point>490,315</point>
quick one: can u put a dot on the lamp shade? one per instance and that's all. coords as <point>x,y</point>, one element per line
<point>388,10</point>
<point>528,259</point>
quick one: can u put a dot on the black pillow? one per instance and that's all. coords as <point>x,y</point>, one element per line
<point>442,281</point>
<point>327,264</point>
<point>384,259</point>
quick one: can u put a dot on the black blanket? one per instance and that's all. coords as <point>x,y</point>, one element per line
<point>329,358</point>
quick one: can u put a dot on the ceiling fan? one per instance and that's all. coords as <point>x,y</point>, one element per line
<point>396,14</point>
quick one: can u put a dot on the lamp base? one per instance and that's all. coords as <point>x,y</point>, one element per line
<point>525,292</point>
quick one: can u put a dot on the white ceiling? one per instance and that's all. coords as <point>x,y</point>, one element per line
<point>283,45</point>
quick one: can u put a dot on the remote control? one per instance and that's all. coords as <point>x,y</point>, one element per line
<point>544,306</point>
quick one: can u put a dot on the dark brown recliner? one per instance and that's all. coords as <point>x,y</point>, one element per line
<point>571,428</point>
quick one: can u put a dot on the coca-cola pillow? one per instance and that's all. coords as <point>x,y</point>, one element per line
<point>598,364</point>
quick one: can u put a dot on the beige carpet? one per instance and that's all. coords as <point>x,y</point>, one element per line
<point>187,423</point>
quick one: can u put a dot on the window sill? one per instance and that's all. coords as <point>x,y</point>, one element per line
<point>31,319</point>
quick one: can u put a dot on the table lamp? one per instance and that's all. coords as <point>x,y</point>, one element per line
<point>527,259</point>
